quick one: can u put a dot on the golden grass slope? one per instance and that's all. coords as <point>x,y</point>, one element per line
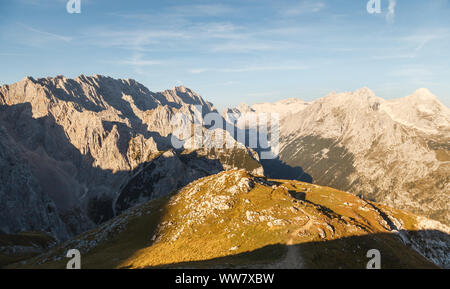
<point>21,246</point>
<point>234,219</point>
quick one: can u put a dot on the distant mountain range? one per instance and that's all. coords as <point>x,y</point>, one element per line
<point>392,151</point>
<point>90,162</point>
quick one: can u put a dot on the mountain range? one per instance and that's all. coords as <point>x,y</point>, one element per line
<point>69,147</point>
<point>89,163</point>
<point>392,151</point>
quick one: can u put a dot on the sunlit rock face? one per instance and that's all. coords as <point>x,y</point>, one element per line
<point>70,145</point>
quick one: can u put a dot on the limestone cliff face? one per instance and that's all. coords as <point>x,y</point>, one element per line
<point>73,143</point>
<point>23,203</point>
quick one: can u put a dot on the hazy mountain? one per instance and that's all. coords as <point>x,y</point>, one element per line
<point>234,220</point>
<point>396,152</point>
<point>69,146</point>
<point>283,107</point>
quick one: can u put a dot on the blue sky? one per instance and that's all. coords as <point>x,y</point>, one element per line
<point>237,50</point>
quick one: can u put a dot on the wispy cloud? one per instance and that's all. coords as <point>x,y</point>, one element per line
<point>140,62</point>
<point>131,39</point>
<point>390,16</point>
<point>34,37</point>
<point>46,4</point>
<point>304,7</point>
<point>164,36</point>
<point>49,34</point>
<point>213,37</point>
<point>411,72</point>
<point>420,39</point>
<point>201,10</point>
<point>409,47</point>
<point>250,46</point>
<point>398,55</point>
<point>42,2</point>
<point>180,11</point>
<point>248,69</point>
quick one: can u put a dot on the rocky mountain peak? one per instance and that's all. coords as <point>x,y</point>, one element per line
<point>182,88</point>
<point>420,110</point>
<point>421,99</point>
<point>183,95</point>
<point>243,107</point>
<point>292,100</point>
<point>423,94</point>
<point>360,98</point>
<point>29,78</point>
<point>364,91</point>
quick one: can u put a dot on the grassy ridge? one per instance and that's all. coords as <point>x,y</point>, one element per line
<point>234,219</point>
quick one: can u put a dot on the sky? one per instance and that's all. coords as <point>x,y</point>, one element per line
<point>235,51</point>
